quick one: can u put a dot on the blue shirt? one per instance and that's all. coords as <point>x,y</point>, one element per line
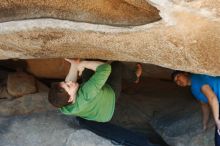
<point>197,81</point>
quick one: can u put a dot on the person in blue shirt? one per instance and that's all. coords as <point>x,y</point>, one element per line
<point>206,89</point>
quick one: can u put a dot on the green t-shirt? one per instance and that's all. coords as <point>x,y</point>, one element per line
<point>95,99</point>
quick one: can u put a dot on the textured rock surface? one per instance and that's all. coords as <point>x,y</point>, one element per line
<point>186,38</point>
<point>174,114</point>
<point>27,104</point>
<point>111,12</point>
<point>47,128</point>
<point>170,110</point>
<point>48,68</point>
<point>180,124</point>
<point>20,83</point>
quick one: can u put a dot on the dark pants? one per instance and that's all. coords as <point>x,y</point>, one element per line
<point>119,72</point>
<point>116,134</point>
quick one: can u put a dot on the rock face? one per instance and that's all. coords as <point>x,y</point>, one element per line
<point>171,111</point>
<point>186,38</point>
<point>45,129</point>
<point>48,68</point>
<point>181,126</point>
<point>27,104</point>
<point>20,83</point>
<point>111,12</point>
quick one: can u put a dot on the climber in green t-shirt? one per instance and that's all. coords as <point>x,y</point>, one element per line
<point>95,98</point>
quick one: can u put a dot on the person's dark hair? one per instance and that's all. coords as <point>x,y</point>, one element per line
<point>175,73</point>
<point>57,96</point>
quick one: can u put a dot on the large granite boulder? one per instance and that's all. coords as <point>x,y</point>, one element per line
<point>111,12</point>
<point>186,38</point>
